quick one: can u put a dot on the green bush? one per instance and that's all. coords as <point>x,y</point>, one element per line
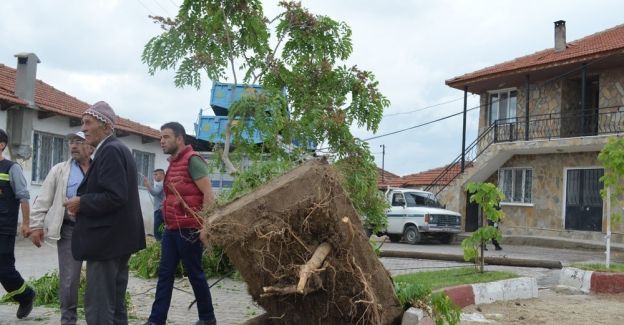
<point>436,305</point>
<point>145,263</point>
<point>47,289</point>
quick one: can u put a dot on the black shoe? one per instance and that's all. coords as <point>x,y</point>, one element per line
<point>498,248</point>
<point>206,322</point>
<point>149,323</point>
<point>26,307</point>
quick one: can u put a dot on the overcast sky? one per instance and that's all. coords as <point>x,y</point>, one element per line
<point>91,50</point>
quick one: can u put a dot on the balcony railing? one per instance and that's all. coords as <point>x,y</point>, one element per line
<point>590,122</point>
<point>605,120</point>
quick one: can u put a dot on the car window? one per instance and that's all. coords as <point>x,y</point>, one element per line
<point>421,200</point>
<point>398,200</point>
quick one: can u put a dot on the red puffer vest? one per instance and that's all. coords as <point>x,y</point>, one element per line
<point>176,216</point>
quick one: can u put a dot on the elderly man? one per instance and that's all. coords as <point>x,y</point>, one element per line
<point>109,223</point>
<point>49,214</point>
<point>13,196</point>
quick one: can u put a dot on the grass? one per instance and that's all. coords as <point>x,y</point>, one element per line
<point>613,267</point>
<point>451,277</point>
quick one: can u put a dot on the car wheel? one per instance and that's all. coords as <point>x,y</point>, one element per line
<point>411,235</point>
<point>394,238</point>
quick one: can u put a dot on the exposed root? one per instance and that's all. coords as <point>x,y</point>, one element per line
<point>313,265</point>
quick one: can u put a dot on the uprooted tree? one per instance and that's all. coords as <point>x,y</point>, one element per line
<point>297,240</point>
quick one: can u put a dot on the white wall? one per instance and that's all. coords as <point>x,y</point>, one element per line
<point>59,125</point>
<point>3,120</point>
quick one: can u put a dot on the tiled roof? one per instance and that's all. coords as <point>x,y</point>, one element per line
<point>594,46</point>
<point>418,179</point>
<point>51,99</point>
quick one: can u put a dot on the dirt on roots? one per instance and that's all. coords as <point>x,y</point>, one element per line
<point>272,232</point>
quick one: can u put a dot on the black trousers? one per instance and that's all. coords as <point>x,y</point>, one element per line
<point>10,278</point>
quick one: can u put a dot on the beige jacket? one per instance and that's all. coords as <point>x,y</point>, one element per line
<point>47,211</point>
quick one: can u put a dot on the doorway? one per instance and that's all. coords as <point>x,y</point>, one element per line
<point>472,215</point>
<point>583,206</point>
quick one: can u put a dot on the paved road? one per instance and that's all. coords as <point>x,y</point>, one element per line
<point>232,303</point>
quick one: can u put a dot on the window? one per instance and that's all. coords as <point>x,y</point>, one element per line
<point>421,200</point>
<point>502,106</point>
<point>398,200</point>
<point>516,184</point>
<point>145,165</point>
<point>48,150</point>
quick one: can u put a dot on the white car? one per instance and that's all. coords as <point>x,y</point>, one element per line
<point>416,214</point>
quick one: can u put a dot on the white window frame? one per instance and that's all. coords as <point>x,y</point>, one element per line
<point>139,164</point>
<point>38,175</point>
<point>498,109</point>
<point>509,199</point>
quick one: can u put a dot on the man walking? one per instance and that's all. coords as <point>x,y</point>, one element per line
<point>13,196</point>
<point>48,213</point>
<point>109,224</point>
<point>157,194</point>
<point>187,176</point>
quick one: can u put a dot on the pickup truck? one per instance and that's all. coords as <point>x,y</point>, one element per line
<point>415,215</point>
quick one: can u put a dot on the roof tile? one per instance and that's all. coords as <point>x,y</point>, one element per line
<point>51,99</point>
<point>599,44</point>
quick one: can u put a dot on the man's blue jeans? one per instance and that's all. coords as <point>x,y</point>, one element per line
<point>184,245</point>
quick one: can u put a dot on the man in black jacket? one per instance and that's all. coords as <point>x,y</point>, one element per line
<point>109,222</point>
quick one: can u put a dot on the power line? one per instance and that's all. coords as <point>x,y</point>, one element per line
<point>146,7</point>
<point>420,125</point>
<point>161,7</point>
<point>427,107</point>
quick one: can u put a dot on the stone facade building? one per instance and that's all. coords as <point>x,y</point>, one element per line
<point>543,120</point>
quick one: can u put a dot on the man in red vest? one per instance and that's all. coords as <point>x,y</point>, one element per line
<point>187,178</point>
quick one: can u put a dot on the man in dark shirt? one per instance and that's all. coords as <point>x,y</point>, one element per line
<point>13,196</point>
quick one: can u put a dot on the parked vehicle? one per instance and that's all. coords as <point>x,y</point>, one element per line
<point>415,215</point>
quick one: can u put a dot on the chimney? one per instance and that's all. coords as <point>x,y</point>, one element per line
<point>560,36</point>
<point>26,77</point>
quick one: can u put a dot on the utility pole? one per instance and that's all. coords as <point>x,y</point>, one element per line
<point>383,156</point>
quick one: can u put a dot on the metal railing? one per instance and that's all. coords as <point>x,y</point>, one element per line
<point>595,121</point>
<point>453,170</point>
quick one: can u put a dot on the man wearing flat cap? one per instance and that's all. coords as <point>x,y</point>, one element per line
<point>109,222</point>
<point>48,214</point>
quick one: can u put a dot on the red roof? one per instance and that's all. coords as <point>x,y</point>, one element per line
<point>51,99</point>
<point>594,46</point>
<point>388,178</point>
<point>420,179</point>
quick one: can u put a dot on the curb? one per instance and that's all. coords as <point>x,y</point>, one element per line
<point>490,260</point>
<point>487,293</point>
<point>592,281</point>
<point>479,293</point>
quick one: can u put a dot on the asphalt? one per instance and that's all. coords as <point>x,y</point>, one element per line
<point>233,305</point>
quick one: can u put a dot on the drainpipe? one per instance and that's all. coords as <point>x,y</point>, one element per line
<point>526,109</point>
<point>583,89</point>
<point>463,155</point>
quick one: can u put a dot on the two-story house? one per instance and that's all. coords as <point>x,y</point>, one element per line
<point>543,119</point>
